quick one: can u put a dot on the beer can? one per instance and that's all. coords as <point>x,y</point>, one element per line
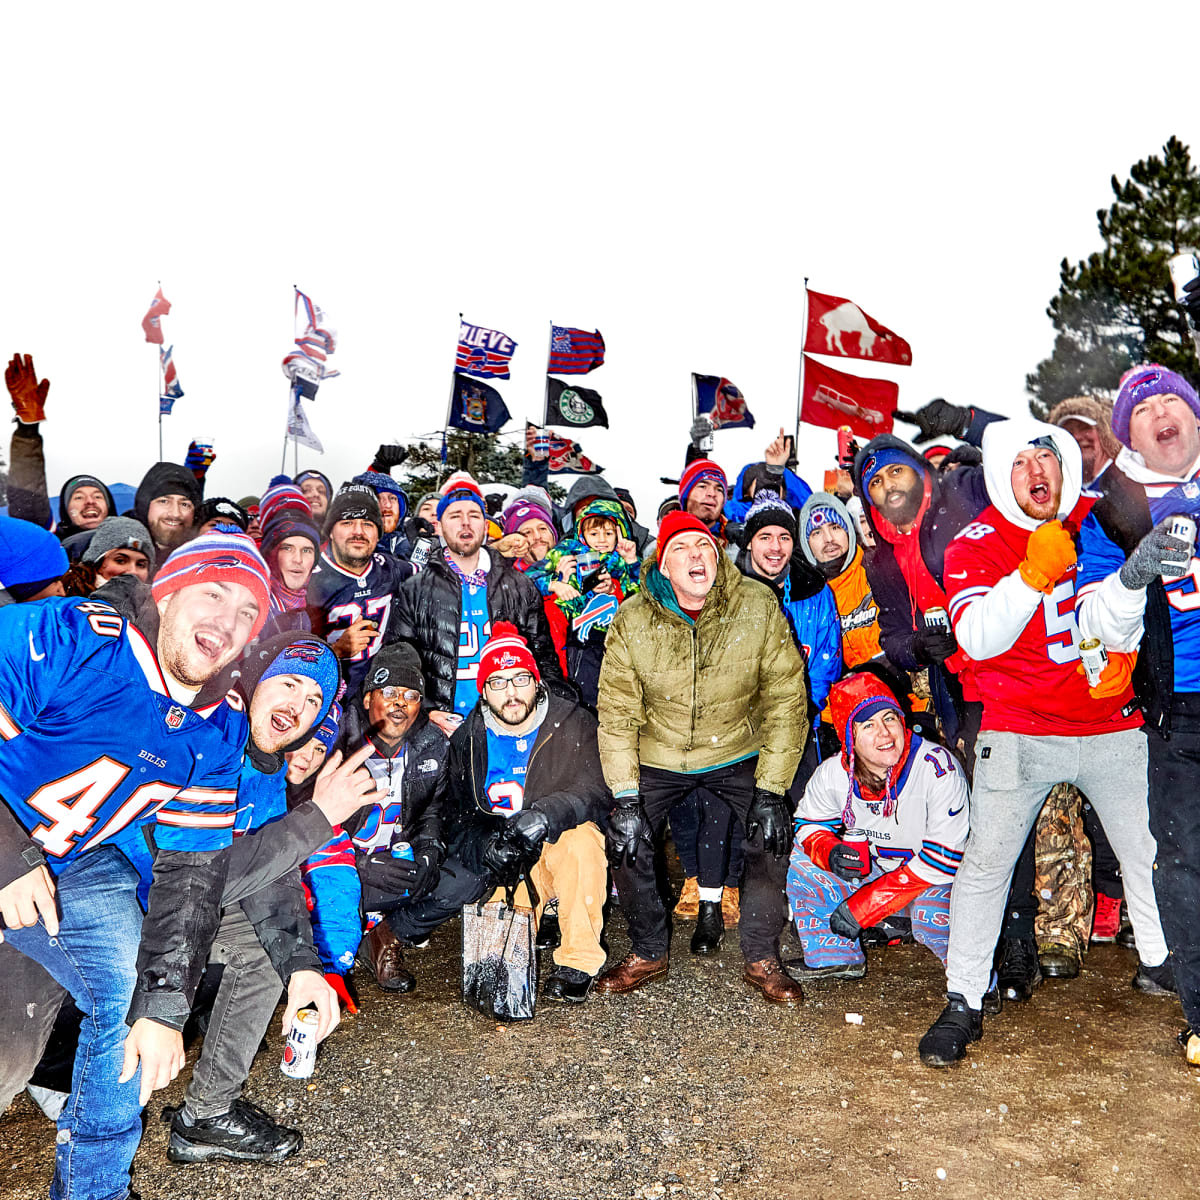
<point>856,839</point>
<point>300,1050</point>
<point>845,441</point>
<point>1183,528</point>
<point>1184,268</point>
<point>1094,658</point>
<point>541,444</point>
<point>937,618</point>
<point>420,553</point>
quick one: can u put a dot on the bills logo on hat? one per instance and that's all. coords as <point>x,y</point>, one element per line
<point>868,466</point>
<point>304,651</point>
<point>507,660</point>
<point>380,677</point>
<point>174,717</point>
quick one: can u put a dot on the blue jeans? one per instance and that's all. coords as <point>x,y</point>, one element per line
<point>94,957</point>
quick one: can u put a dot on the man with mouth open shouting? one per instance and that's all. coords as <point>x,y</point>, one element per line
<point>1011,575</point>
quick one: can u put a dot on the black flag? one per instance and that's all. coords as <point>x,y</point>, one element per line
<point>573,407</point>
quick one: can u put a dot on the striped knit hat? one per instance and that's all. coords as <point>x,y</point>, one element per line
<point>505,650</point>
<point>226,555</point>
<point>282,494</point>
<point>702,468</point>
<point>460,486</point>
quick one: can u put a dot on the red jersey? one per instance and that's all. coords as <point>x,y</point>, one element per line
<point>1030,684</point>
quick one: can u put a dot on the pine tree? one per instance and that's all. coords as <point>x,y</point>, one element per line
<point>487,458</point>
<point>1116,308</point>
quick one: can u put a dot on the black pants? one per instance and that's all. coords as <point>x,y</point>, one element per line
<point>685,817</point>
<point>1106,871</point>
<point>1175,822</point>
<point>413,921</point>
<point>764,910</point>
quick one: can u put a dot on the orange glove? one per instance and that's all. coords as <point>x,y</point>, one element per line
<point>1049,555</point>
<point>28,395</point>
<point>1114,679</point>
<point>338,984</point>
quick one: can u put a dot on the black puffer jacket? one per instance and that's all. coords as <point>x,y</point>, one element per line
<point>564,780</point>
<point>427,613</point>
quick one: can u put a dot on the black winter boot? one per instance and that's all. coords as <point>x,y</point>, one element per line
<point>1018,968</point>
<point>951,1034</point>
<point>710,928</point>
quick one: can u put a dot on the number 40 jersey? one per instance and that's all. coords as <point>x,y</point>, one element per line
<point>92,746</point>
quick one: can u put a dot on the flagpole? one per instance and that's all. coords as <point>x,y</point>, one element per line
<point>160,388</point>
<point>283,460</point>
<point>800,384</point>
<point>546,383</point>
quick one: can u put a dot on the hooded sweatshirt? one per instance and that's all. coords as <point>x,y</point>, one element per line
<point>1024,644</point>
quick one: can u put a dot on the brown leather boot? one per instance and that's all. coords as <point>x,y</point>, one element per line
<point>688,905</point>
<point>773,981</point>
<point>631,972</point>
<point>731,906</point>
<point>381,951</point>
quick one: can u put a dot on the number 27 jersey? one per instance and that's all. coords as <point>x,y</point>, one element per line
<point>92,746</point>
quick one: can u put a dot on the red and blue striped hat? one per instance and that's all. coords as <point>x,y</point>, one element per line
<point>225,555</point>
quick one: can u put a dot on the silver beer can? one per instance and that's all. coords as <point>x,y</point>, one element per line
<point>300,1050</point>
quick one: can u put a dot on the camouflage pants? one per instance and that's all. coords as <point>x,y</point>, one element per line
<point>1064,872</point>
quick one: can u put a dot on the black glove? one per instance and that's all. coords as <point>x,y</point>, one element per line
<point>628,832</point>
<point>845,863</point>
<point>769,812</point>
<point>428,856</point>
<point>418,527</point>
<point>502,856</point>
<point>387,457</point>
<point>387,874</point>
<point>935,644</point>
<point>938,419</point>
<point>1191,299</point>
<point>842,922</point>
<point>529,829</point>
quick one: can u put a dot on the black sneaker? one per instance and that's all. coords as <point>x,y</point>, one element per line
<point>549,935</point>
<point>566,983</point>
<point>245,1133</point>
<point>891,931</point>
<point>951,1034</point>
<point>1156,981</point>
<point>797,968</point>
<point>1018,970</point>
<point>710,928</point>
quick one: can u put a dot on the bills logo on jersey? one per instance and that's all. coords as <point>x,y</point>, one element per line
<point>174,717</point>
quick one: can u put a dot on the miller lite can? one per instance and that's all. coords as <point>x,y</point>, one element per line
<point>937,618</point>
<point>1183,528</point>
<point>1094,658</point>
<point>856,839</point>
<point>420,553</point>
<point>300,1050</point>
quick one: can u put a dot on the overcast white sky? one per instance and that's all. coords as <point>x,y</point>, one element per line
<point>667,172</point>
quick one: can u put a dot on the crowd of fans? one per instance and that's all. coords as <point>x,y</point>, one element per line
<point>266,747</point>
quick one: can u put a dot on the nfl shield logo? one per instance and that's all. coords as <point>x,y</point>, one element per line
<point>174,717</point>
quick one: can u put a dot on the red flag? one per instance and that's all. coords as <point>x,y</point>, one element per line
<point>833,398</point>
<point>151,325</point>
<point>837,326</point>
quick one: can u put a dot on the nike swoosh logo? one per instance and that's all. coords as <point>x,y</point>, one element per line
<point>32,650</point>
<point>961,575</point>
<point>953,812</point>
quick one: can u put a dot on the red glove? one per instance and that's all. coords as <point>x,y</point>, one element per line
<point>339,985</point>
<point>832,854</point>
<point>818,845</point>
<point>878,899</point>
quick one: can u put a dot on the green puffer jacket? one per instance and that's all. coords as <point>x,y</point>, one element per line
<point>690,697</point>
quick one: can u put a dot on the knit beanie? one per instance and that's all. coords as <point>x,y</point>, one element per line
<point>224,509</point>
<point>291,654</point>
<point>354,502</point>
<point>326,733</point>
<point>767,510</point>
<point>1142,382</point>
<point>379,482</point>
<point>31,558</point>
<point>516,515</point>
<point>823,514</point>
<point>434,496</point>
<point>674,524</point>
<point>460,486</point>
<point>505,650</point>
<point>886,456</point>
<point>701,468</point>
<point>397,665</point>
<point>225,554</point>
<point>119,533</point>
<point>165,479</point>
<point>286,525</point>
<point>281,494</point>
<point>318,475</point>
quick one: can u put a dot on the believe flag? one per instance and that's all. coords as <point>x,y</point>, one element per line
<point>572,406</point>
<point>485,353</point>
<point>566,458</point>
<point>477,407</point>
<point>298,426</point>
<point>574,351</point>
<point>171,391</point>
<point>833,398</point>
<point>721,401</point>
<point>837,326</point>
<point>315,341</point>
<point>151,326</point>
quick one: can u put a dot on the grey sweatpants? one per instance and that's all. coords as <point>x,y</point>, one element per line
<point>1013,773</point>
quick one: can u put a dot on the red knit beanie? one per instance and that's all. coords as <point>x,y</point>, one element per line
<point>505,650</point>
<point>676,523</point>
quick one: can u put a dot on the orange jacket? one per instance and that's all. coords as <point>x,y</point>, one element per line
<point>859,612</point>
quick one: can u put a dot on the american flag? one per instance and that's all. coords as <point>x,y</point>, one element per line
<point>315,340</point>
<point>574,351</point>
<point>171,391</point>
<point>484,353</point>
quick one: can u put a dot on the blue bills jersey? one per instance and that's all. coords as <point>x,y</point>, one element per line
<point>92,746</point>
<point>337,598</point>
<point>508,762</point>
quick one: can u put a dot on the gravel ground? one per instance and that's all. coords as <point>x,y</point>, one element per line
<point>694,1087</point>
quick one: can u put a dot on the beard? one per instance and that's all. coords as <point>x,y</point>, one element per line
<point>907,511</point>
<point>515,712</point>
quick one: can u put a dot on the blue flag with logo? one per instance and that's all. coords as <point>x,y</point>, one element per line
<point>476,407</point>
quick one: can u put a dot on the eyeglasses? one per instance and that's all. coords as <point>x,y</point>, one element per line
<point>520,680</point>
<point>405,694</point>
